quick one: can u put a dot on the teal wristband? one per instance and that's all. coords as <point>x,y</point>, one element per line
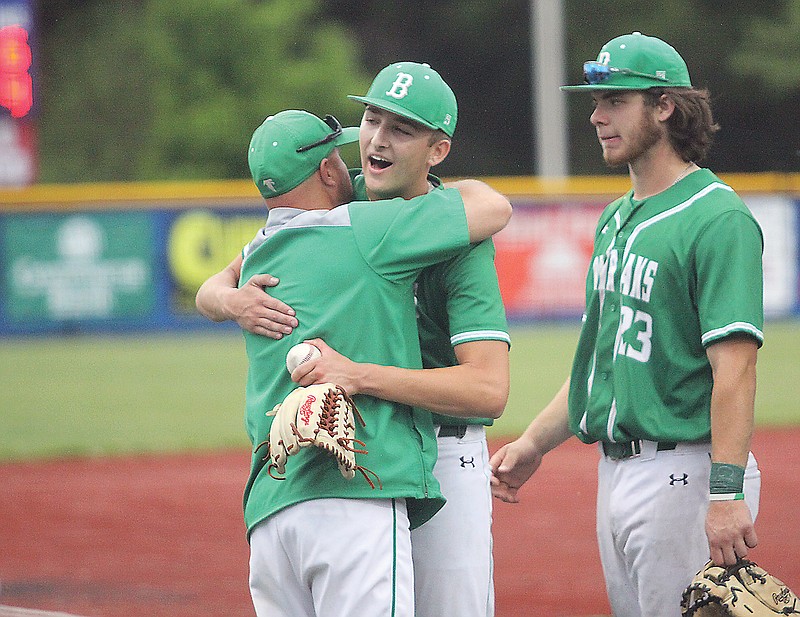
<point>726,479</point>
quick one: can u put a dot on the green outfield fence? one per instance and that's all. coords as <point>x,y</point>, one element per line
<point>129,257</point>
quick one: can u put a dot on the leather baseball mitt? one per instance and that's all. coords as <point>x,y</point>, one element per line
<point>321,415</point>
<point>742,590</point>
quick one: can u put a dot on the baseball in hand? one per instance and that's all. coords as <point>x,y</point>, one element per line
<point>302,352</point>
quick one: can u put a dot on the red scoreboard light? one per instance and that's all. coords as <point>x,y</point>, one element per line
<point>16,85</point>
<point>18,104</point>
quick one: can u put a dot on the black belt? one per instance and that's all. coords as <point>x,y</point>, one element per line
<point>628,449</point>
<point>452,430</point>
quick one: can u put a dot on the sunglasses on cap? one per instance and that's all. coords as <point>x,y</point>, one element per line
<point>335,126</point>
<point>597,72</point>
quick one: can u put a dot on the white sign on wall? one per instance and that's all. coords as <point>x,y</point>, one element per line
<point>777,216</point>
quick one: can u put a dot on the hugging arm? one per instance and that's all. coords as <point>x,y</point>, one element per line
<point>221,299</point>
<point>477,387</point>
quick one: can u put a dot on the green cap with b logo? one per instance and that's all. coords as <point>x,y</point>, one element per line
<point>635,62</point>
<point>414,91</point>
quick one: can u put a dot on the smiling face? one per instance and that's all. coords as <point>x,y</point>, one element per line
<point>627,128</point>
<point>397,154</point>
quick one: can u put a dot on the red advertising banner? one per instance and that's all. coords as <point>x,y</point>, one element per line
<point>543,256</point>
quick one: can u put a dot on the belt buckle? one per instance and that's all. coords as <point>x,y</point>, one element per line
<point>452,430</point>
<point>623,450</point>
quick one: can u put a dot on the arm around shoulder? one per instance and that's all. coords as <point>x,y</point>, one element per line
<point>487,210</point>
<point>221,299</point>
<point>211,297</point>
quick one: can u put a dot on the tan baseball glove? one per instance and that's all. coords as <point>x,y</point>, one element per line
<point>321,415</point>
<point>742,590</point>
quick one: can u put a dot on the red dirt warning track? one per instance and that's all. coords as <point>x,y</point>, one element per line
<point>162,536</point>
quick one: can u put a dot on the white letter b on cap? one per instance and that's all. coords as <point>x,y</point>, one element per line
<point>400,86</point>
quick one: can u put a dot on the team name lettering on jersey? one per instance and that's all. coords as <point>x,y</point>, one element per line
<point>638,276</point>
<point>636,279</point>
<point>604,267</point>
<point>400,86</point>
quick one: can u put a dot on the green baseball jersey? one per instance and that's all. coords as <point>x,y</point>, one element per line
<point>458,301</point>
<point>670,275</point>
<point>349,274</point>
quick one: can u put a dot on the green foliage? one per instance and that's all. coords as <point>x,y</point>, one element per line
<point>704,33</point>
<point>93,123</point>
<point>155,89</point>
<point>96,396</point>
<point>174,89</point>
<point>771,52</point>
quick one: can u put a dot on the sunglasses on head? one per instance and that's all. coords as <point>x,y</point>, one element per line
<point>597,72</point>
<point>335,126</point>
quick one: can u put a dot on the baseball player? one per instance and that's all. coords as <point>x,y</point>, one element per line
<point>320,544</point>
<point>664,373</point>
<point>462,329</point>
<point>463,335</point>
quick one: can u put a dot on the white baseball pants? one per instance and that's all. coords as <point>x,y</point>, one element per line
<point>453,568</point>
<point>333,558</point>
<point>651,512</point>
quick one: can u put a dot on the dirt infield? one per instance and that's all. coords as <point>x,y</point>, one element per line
<point>162,536</point>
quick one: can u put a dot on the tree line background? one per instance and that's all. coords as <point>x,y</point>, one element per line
<point>173,89</point>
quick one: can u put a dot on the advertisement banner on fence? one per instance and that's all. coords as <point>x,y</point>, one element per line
<point>778,219</point>
<point>544,253</point>
<point>104,270</point>
<point>543,256</point>
<point>72,268</point>
<point>201,243</point>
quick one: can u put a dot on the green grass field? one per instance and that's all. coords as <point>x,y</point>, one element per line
<point>107,395</point>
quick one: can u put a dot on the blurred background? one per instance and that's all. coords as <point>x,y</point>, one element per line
<point>172,89</point>
<point>124,185</point>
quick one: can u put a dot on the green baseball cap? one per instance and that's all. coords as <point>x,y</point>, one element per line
<point>414,91</point>
<point>289,146</point>
<point>635,62</point>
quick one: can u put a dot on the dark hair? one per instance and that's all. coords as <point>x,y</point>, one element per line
<point>691,126</point>
<point>438,135</point>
